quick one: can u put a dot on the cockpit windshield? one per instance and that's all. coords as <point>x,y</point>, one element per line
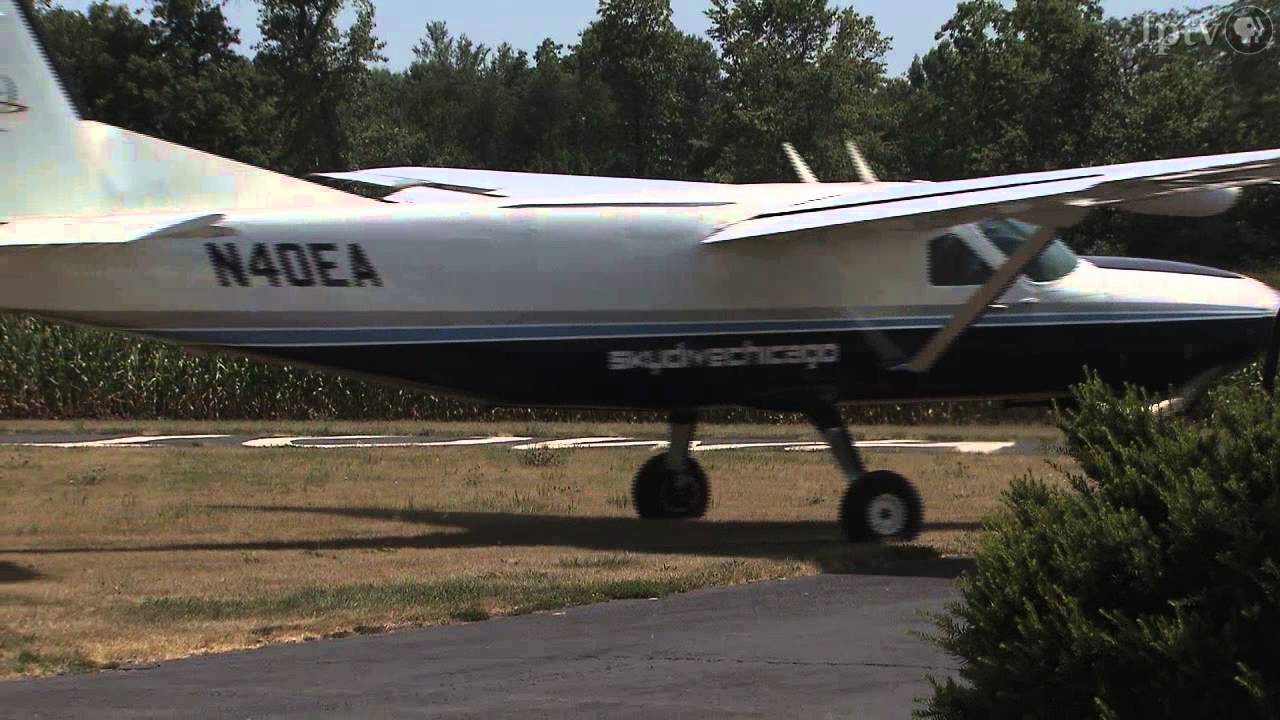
<point>1055,262</point>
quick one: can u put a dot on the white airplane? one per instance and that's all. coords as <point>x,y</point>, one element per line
<point>544,290</point>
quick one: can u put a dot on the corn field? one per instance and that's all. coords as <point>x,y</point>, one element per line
<point>51,370</point>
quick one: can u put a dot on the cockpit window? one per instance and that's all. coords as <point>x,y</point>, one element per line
<point>952,262</point>
<point>1055,262</point>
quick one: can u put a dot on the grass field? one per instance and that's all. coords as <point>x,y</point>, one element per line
<point>123,556</point>
<point>1009,431</point>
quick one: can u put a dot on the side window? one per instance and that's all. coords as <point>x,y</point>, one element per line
<point>951,262</point>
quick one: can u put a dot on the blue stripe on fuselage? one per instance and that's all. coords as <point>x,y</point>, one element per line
<point>300,337</point>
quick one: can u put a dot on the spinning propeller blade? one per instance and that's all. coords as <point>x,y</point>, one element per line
<point>798,164</point>
<point>865,174</point>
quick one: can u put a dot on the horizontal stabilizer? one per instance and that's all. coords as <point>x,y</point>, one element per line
<point>100,230</point>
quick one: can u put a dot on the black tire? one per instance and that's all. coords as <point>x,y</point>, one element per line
<point>658,492</point>
<point>881,506</point>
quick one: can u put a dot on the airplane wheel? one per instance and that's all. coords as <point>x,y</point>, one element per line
<point>880,506</point>
<point>659,492</point>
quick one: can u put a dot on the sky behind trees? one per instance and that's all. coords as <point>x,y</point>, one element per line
<point>525,23</point>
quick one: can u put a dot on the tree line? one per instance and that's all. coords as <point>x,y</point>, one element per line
<point>1038,85</point>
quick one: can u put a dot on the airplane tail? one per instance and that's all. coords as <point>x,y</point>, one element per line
<point>58,165</point>
<point>39,123</point>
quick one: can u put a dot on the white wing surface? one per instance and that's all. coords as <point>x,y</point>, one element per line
<point>502,184</point>
<point>1174,187</point>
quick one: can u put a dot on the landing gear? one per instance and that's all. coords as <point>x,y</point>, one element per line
<point>881,505</point>
<point>877,506</point>
<point>673,485</point>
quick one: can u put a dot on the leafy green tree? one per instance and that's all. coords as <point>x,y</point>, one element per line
<point>111,60</point>
<point>380,129</point>
<point>446,82</point>
<point>561,111</point>
<point>1187,97</point>
<point>210,96</point>
<point>799,71</point>
<point>1031,87</point>
<point>316,69</point>
<point>633,47</point>
<point>693,124</point>
<point>566,116</point>
<point>177,77</point>
<point>468,101</point>
<point>194,31</point>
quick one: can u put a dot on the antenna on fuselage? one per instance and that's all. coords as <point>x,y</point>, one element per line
<point>798,164</point>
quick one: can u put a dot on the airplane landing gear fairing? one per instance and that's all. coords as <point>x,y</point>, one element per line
<point>877,506</point>
<point>673,485</point>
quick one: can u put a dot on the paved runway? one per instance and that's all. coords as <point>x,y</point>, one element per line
<point>983,447</point>
<point>833,646</point>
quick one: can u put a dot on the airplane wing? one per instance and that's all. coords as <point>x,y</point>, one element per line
<point>501,184</point>
<point>1152,187</point>
<point>99,230</point>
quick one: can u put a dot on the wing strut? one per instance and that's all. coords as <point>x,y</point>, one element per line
<point>978,304</point>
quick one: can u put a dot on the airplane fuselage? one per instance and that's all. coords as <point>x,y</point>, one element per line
<point>621,306</point>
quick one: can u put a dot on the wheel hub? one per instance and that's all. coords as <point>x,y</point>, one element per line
<point>887,515</point>
<point>679,493</point>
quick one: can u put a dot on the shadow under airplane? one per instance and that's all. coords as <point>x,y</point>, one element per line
<point>15,573</point>
<point>807,541</point>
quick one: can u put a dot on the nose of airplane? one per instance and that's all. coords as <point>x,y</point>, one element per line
<point>1267,297</point>
<point>1256,293</point>
<point>1233,318</point>
<point>1247,292</point>
<point>1139,279</point>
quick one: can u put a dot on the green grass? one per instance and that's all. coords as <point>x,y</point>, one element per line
<point>470,614</point>
<point>30,661</point>
<point>457,598</point>
<point>17,651</point>
<point>609,562</point>
<point>543,457</point>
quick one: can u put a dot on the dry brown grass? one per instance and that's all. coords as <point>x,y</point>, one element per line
<point>117,556</point>
<point>796,431</point>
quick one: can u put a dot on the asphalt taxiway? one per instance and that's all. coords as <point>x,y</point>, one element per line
<point>832,646</point>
